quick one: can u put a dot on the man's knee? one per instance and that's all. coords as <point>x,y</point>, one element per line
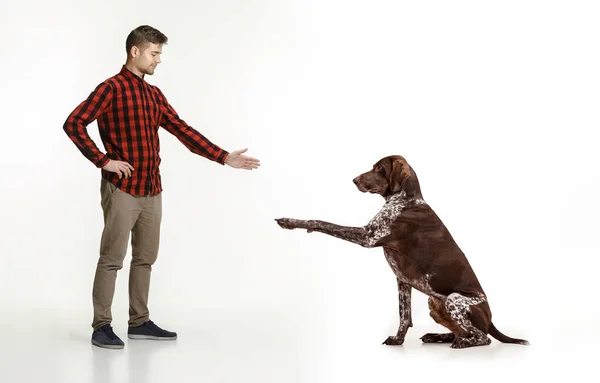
<point>110,264</point>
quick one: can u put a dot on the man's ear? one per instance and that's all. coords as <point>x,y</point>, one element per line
<point>400,172</point>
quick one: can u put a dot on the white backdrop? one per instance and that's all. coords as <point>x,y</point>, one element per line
<point>494,104</point>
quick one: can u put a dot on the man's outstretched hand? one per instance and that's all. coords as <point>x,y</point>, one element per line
<point>237,160</point>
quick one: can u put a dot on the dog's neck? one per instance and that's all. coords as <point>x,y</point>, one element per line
<point>400,198</point>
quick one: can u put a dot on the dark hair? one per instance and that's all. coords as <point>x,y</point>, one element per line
<point>142,35</point>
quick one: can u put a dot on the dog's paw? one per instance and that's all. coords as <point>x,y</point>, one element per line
<point>460,343</point>
<point>394,341</point>
<point>286,223</point>
<point>437,338</point>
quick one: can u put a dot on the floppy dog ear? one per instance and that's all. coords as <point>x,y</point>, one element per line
<point>398,176</point>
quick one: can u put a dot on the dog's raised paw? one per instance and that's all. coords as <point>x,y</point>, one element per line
<point>285,223</point>
<point>394,341</point>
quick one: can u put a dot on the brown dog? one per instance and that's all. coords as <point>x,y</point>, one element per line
<point>422,254</point>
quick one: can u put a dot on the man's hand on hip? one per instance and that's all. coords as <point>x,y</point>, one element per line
<point>120,167</point>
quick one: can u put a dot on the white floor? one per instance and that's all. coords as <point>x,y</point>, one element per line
<point>222,345</point>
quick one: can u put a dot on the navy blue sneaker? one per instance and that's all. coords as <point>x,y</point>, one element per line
<point>106,338</point>
<point>151,331</point>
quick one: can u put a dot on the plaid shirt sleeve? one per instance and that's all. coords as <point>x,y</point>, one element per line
<point>188,136</point>
<point>87,111</point>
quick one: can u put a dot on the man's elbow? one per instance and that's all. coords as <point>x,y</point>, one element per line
<point>69,125</point>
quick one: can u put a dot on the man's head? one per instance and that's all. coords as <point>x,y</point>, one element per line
<point>144,47</point>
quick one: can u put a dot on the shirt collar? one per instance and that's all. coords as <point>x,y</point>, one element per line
<point>129,74</point>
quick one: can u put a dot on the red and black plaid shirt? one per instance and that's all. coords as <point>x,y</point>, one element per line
<point>129,112</point>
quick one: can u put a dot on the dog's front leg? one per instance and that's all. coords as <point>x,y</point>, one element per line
<point>404,304</point>
<point>358,235</point>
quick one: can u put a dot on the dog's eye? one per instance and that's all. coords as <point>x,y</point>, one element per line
<point>378,167</point>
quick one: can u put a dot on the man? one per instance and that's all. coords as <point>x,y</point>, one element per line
<point>129,112</point>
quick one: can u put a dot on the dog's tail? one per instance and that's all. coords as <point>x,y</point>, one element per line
<point>503,338</point>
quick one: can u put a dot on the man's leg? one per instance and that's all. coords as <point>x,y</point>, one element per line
<point>121,211</point>
<point>145,239</point>
<point>144,244</point>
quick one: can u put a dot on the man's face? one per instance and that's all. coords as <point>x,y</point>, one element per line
<point>147,58</point>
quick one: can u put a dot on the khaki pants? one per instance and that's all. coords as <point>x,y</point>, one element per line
<point>124,214</point>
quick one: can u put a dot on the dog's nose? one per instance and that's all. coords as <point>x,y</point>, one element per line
<point>355,181</point>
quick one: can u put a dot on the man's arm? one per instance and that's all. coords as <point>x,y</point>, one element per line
<point>87,111</point>
<point>188,136</point>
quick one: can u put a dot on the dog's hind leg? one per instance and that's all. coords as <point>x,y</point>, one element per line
<point>438,312</point>
<point>404,308</point>
<point>462,309</point>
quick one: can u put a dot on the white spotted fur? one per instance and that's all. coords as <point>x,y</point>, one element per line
<point>380,225</point>
<point>458,306</point>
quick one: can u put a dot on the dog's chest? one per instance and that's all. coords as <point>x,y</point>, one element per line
<point>381,224</point>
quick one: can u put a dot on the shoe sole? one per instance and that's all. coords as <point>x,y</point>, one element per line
<point>109,346</point>
<point>150,337</point>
